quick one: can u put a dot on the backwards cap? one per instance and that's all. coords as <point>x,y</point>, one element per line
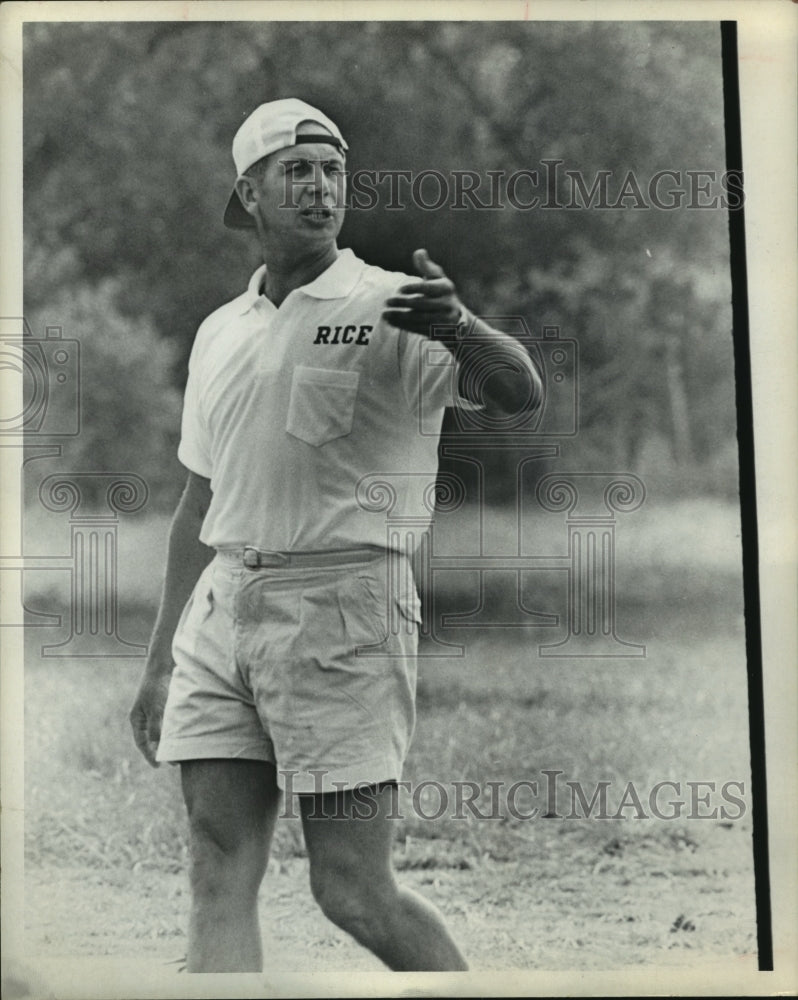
<point>270,127</point>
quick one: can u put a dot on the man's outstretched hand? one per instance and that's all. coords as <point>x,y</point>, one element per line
<point>432,308</point>
<point>423,305</point>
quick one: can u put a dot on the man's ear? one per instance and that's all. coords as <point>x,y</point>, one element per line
<point>245,189</point>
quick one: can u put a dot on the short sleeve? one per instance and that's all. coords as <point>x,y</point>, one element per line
<point>194,449</point>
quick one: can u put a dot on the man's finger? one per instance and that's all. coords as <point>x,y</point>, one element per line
<point>419,301</point>
<point>145,734</point>
<point>416,322</point>
<point>425,266</point>
<point>147,748</point>
<point>432,287</point>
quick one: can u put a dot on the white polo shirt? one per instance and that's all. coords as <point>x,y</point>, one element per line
<point>298,414</point>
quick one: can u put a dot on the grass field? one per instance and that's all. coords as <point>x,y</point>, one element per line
<point>549,893</point>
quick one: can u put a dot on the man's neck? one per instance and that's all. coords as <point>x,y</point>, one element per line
<point>285,273</point>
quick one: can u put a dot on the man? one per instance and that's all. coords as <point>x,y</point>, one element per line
<point>276,662</point>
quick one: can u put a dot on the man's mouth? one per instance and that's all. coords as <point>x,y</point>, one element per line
<point>317,213</point>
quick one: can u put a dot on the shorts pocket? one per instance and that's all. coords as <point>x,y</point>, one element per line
<point>410,606</point>
<point>196,611</point>
<point>321,407</point>
<point>374,615</point>
<point>201,604</point>
<point>362,606</point>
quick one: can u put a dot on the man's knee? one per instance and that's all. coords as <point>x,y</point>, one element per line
<point>340,900</point>
<point>351,901</point>
<point>231,806</point>
<point>222,864</point>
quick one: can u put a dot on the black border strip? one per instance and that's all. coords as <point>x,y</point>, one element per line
<point>750,543</point>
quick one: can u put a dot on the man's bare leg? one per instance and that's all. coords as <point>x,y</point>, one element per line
<point>232,807</point>
<point>352,879</point>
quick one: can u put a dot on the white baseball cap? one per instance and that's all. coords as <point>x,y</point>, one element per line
<point>270,127</point>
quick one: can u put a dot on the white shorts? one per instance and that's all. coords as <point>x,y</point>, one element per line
<point>311,667</point>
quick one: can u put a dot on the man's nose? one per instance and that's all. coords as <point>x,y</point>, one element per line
<point>321,182</point>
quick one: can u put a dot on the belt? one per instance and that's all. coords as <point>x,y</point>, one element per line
<point>254,558</point>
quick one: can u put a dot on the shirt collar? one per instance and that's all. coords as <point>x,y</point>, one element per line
<point>336,282</point>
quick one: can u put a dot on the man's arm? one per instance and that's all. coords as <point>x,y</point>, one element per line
<point>493,367</point>
<point>185,559</point>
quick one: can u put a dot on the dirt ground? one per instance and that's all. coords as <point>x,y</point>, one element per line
<point>562,907</point>
<point>105,838</point>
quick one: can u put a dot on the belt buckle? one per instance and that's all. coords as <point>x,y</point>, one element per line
<point>258,559</point>
<point>251,557</point>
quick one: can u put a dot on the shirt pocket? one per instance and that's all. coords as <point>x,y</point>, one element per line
<point>321,407</point>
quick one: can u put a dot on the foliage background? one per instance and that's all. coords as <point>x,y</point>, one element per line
<point>127,167</point>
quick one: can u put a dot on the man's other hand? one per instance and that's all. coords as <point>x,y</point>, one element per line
<point>421,306</point>
<point>147,712</point>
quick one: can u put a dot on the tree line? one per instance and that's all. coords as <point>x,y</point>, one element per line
<point>614,229</point>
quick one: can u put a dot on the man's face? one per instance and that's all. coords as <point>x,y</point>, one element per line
<point>299,197</point>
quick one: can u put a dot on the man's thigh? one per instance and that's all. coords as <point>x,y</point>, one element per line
<point>232,804</point>
<point>350,832</point>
